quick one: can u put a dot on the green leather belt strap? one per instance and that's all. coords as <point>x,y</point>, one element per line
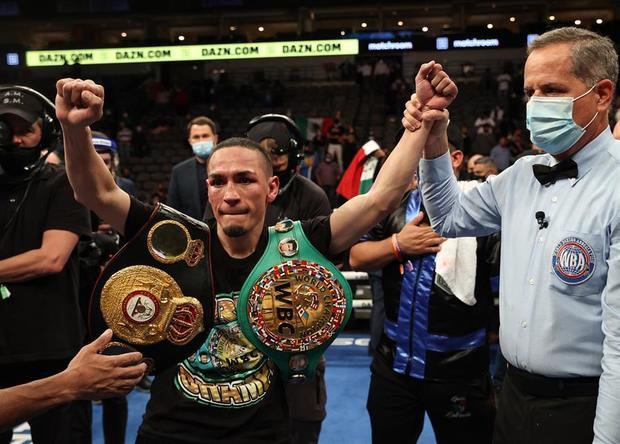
<point>294,303</point>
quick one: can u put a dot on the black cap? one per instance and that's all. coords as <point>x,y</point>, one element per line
<point>20,104</point>
<point>277,131</point>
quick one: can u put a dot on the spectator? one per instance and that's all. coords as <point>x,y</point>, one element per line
<point>364,72</point>
<point>140,145</point>
<point>518,144</point>
<point>466,140</point>
<point>187,191</point>
<point>124,136</point>
<point>484,123</point>
<point>486,82</point>
<point>616,131</point>
<point>484,167</point>
<point>504,84</point>
<point>485,138</point>
<point>349,145</point>
<point>327,175</point>
<point>107,150</point>
<point>471,162</point>
<point>501,154</point>
<point>308,164</point>
<point>319,143</point>
<point>335,146</point>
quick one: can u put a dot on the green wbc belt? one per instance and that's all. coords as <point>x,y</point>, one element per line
<point>294,303</point>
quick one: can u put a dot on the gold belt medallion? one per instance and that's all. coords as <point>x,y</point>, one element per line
<point>144,305</point>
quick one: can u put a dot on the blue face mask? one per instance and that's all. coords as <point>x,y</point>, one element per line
<point>551,124</point>
<point>203,148</point>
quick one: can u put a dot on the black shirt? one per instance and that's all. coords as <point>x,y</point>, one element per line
<point>239,395</point>
<point>41,319</point>
<point>301,199</point>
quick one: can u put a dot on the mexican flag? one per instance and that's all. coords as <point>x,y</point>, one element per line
<point>310,125</point>
<point>358,177</point>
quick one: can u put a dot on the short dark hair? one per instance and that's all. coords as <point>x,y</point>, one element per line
<point>242,142</point>
<point>202,120</point>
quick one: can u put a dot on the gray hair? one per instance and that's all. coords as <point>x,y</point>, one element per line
<point>593,56</point>
<point>486,160</point>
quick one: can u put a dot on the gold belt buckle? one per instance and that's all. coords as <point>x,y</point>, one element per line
<point>169,242</point>
<point>144,305</point>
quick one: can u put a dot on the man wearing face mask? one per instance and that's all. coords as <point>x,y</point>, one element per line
<point>299,198</point>
<point>483,168</point>
<point>559,214</point>
<point>40,224</point>
<point>187,191</point>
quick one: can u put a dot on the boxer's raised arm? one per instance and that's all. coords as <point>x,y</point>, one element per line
<point>79,103</point>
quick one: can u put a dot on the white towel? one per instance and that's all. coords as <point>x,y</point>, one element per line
<point>455,264</point>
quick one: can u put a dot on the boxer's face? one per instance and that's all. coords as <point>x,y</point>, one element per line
<point>240,189</point>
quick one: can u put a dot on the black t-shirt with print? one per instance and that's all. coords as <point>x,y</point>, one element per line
<point>239,397</point>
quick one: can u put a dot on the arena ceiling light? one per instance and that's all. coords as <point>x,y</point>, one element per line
<point>261,29</point>
<point>424,28</point>
<point>400,23</point>
<point>512,19</point>
<point>599,21</point>
<point>342,33</point>
<point>490,25</point>
<point>552,17</point>
<point>123,34</point>
<point>577,22</point>
<point>232,28</point>
<point>181,38</point>
<point>364,24</point>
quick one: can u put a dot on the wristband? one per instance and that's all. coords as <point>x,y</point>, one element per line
<point>398,254</point>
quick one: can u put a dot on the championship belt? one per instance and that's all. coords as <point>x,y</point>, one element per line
<point>156,293</point>
<point>294,303</point>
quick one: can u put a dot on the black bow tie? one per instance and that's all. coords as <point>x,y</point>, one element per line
<point>548,175</point>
